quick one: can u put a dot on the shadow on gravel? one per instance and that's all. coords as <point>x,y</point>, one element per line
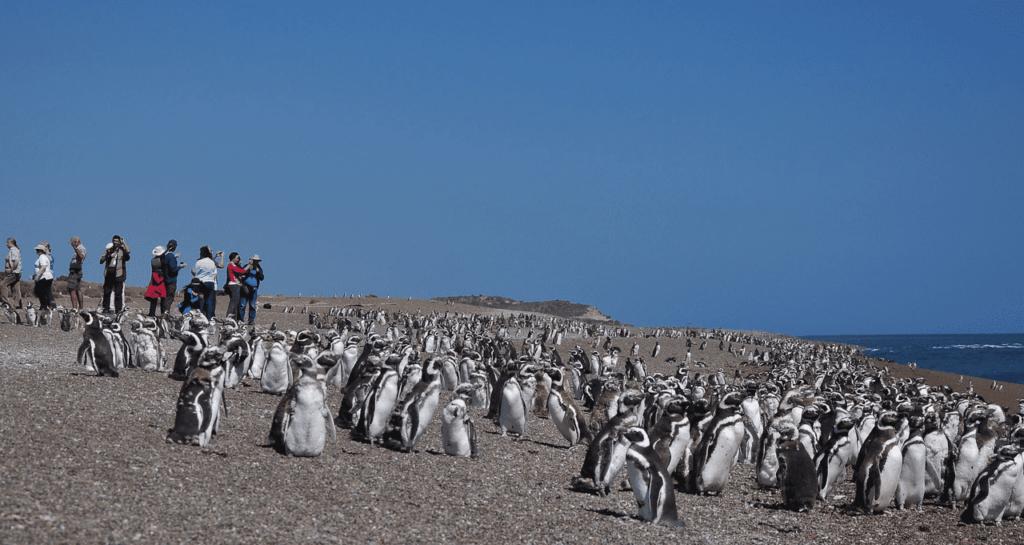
<point>613,513</point>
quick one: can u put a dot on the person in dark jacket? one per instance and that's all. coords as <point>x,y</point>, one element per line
<point>115,269</point>
<point>250,288</point>
<point>171,268</point>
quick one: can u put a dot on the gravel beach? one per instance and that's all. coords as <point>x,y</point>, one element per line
<point>84,460</point>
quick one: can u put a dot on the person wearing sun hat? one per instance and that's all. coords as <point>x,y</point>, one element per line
<point>250,288</point>
<point>157,289</point>
<point>44,277</point>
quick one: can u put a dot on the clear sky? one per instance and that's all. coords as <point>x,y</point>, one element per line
<point>804,167</point>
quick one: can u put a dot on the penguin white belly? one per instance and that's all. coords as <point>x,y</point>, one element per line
<point>449,377</point>
<point>558,415</point>
<point>966,470</point>
<point>306,433</point>
<point>426,413</point>
<point>384,404</point>
<point>639,478</point>
<point>1015,507</point>
<point>455,439</point>
<point>890,478</point>
<point>998,491</point>
<point>512,416</point>
<point>910,491</point>
<point>715,472</point>
<point>277,371</point>
<point>937,448</point>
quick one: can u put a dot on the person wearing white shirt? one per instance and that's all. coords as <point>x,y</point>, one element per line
<point>44,278</point>
<point>205,270</point>
<point>10,281</point>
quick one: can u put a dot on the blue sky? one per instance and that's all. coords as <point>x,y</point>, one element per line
<point>802,167</point>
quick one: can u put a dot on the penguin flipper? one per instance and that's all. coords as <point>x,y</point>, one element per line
<point>330,424</point>
<point>474,446</point>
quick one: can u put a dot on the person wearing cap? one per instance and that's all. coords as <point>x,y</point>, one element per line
<point>44,278</point>
<point>157,290</point>
<point>10,282</point>
<point>250,286</point>
<point>171,268</point>
<point>115,269</point>
<point>75,273</point>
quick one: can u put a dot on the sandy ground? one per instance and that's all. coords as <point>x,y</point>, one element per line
<point>84,461</point>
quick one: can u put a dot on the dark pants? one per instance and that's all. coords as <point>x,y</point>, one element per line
<point>235,291</point>
<point>165,306</point>
<point>248,300</point>
<point>209,299</point>
<point>10,287</point>
<point>113,284</point>
<point>44,291</point>
<point>155,304</point>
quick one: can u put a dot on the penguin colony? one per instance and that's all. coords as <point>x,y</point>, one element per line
<point>806,416</point>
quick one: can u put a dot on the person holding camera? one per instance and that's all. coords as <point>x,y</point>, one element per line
<point>205,270</point>
<point>250,286</point>
<point>75,273</point>
<point>171,268</point>
<point>10,281</point>
<point>234,286</point>
<point>115,269</point>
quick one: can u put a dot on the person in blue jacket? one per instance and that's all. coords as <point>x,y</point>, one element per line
<point>171,268</point>
<point>192,297</point>
<point>250,288</point>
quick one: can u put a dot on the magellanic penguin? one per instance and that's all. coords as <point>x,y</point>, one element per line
<point>276,377</point>
<point>339,375</point>
<point>753,423</point>
<point>379,403</point>
<point>95,352</point>
<point>564,412</point>
<point>782,428</point>
<point>607,452</point>
<point>878,466</point>
<point>796,476</point>
<point>149,354</point>
<point>302,422</point>
<point>259,348</point>
<point>911,488</point>
<point>32,315</point>
<point>416,410</point>
<point>458,435</point>
<point>831,462</point>
<point>976,446</point>
<point>355,393</point>
<point>993,490</point>
<point>670,437</point>
<point>193,342</point>
<point>719,447</point>
<point>199,402</point>
<point>512,414</point>
<point>541,394</point>
<point>651,483</point>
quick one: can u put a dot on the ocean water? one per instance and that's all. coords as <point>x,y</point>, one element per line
<point>994,356</point>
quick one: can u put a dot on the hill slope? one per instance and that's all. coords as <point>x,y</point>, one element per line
<point>557,307</point>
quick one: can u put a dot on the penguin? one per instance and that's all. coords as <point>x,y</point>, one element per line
<point>355,393</point>
<point>753,423</point>
<point>719,447</point>
<point>379,403</point>
<point>650,480</point>
<point>238,359</point>
<point>796,476</point>
<point>339,375</point>
<point>670,437</point>
<point>258,349</point>
<point>187,358</point>
<point>1015,506</point>
<point>482,392</point>
<point>276,377</point>
<point>656,350</point>
<point>302,421</point>
<point>449,373</point>
<point>938,456</point>
<point>635,369</point>
<point>607,453</point>
<point>148,351</point>
<point>911,487</point>
<point>198,406</point>
<point>878,466</point>
<point>807,431</point>
<point>32,316</point>
<point>95,352</point>
<point>458,434</point>
<point>564,412</point>
<point>66,317</point>
<point>118,345</point>
<point>416,410</point>
<point>512,413</point>
<point>993,490</point>
<point>976,446</point>
<point>831,462</point>
<point>767,456</point>
<point>541,394</point>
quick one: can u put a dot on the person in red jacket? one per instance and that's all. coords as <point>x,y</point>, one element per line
<point>236,272</point>
<point>157,289</point>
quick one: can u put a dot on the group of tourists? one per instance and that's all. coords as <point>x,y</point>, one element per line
<point>242,286</point>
